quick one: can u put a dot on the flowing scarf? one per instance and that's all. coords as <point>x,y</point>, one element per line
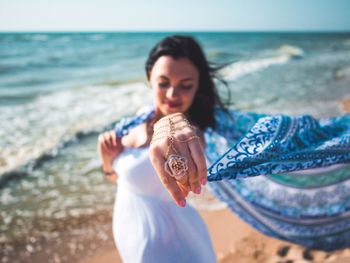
<point>288,177</point>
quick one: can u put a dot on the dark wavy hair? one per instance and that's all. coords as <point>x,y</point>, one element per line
<point>201,111</point>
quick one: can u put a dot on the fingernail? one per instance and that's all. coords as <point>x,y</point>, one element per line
<point>204,181</point>
<point>182,203</point>
<point>197,190</point>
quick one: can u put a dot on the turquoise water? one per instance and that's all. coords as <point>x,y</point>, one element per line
<point>58,91</point>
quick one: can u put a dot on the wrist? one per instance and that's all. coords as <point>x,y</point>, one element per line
<point>107,170</point>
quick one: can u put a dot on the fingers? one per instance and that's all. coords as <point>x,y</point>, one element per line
<point>101,146</point>
<point>191,177</point>
<point>183,182</point>
<point>183,189</point>
<point>183,141</point>
<point>113,139</point>
<point>169,182</point>
<point>109,140</point>
<point>198,156</point>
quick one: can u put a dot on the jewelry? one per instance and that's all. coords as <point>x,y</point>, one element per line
<point>163,131</point>
<point>105,172</point>
<point>175,165</point>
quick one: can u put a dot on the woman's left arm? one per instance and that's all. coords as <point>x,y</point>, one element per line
<point>275,144</point>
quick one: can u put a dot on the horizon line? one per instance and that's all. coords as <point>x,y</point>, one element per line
<point>174,31</point>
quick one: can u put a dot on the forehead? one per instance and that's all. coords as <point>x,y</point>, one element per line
<point>174,68</point>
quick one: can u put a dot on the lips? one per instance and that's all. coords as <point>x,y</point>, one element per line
<point>173,104</point>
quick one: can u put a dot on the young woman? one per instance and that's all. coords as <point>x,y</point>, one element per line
<point>147,225</point>
<point>311,207</point>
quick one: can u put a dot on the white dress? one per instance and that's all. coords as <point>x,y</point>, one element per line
<point>147,225</point>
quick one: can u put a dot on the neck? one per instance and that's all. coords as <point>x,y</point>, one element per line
<point>158,115</point>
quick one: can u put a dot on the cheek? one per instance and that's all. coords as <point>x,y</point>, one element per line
<point>158,95</point>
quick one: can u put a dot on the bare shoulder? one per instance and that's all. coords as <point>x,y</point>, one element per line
<point>135,137</point>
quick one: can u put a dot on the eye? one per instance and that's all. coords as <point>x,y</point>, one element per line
<point>163,84</point>
<point>186,87</point>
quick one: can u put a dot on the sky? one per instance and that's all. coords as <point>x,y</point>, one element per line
<point>174,15</point>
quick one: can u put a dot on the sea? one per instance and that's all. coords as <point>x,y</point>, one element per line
<point>58,91</point>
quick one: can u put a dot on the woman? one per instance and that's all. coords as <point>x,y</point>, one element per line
<point>311,208</point>
<point>147,225</point>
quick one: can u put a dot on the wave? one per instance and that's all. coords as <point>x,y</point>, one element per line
<point>26,67</point>
<point>217,54</point>
<point>27,82</point>
<point>241,68</point>
<point>346,42</point>
<point>113,82</point>
<point>342,73</point>
<point>292,51</point>
<point>33,132</point>
<point>4,69</point>
<point>28,37</point>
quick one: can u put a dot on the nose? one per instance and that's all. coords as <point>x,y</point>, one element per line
<point>172,92</point>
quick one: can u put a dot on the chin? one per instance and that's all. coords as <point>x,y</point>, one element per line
<point>174,110</point>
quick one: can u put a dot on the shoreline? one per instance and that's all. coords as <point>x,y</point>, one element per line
<point>345,104</point>
<point>235,241</point>
<point>89,240</point>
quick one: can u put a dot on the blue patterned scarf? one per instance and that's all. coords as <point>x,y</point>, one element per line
<point>304,195</point>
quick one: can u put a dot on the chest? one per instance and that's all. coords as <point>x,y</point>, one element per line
<point>137,137</point>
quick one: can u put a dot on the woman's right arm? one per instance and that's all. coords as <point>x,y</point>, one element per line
<point>109,146</point>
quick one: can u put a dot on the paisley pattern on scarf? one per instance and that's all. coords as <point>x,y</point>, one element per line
<point>279,144</point>
<point>304,193</point>
<point>308,207</point>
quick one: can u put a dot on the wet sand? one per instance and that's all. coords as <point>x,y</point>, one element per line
<point>345,104</point>
<point>89,240</point>
<point>235,241</point>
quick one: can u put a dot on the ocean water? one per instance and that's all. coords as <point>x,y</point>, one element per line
<point>59,91</point>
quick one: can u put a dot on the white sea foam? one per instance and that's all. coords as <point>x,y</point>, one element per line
<point>241,68</point>
<point>28,131</point>
<point>292,51</point>
<point>343,72</point>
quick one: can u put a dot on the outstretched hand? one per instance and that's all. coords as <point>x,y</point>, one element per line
<point>177,154</point>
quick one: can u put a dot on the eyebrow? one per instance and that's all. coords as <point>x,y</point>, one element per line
<point>185,79</point>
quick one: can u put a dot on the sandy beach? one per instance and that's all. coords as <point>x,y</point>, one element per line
<point>88,239</point>
<point>345,104</point>
<point>235,241</point>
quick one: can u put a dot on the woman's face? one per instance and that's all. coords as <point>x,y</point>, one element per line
<point>174,83</point>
